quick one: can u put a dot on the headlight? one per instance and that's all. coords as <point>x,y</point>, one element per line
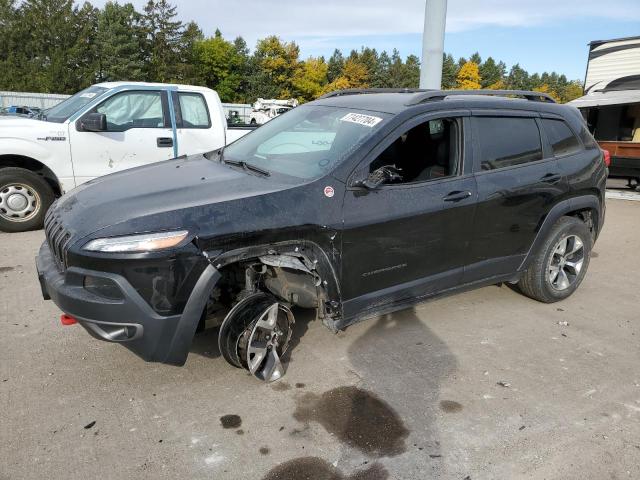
<point>147,242</point>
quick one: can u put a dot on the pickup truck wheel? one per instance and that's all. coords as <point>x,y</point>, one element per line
<point>24,200</point>
<point>561,264</point>
<point>255,335</point>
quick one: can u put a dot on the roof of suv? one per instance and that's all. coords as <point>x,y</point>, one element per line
<point>395,100</point>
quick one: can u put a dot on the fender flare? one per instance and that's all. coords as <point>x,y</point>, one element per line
<point>186,329</point>
<point>560,209</point>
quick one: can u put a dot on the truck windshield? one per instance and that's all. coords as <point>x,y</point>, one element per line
<point>61,112</point>
<point>307,142</point>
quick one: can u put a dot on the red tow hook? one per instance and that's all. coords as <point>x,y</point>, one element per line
<point>67,320</point>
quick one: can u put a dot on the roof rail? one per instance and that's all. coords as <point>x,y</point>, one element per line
<point>425,96</point>
<point>362,91</point>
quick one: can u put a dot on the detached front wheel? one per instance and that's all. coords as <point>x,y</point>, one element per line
<point>24,200</point>
<point>561,264</point>
<point>255,335</point>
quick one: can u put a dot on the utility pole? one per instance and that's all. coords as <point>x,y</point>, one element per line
<point>435,19</point>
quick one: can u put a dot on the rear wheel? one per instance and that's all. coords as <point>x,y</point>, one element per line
<point>255,334</point>
<point>561,264</point>
<point>24,200</point>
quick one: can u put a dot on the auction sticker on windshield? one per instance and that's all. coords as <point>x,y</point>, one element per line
<point>361,119</point>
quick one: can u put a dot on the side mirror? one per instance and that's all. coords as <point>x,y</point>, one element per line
<point>92,122</point>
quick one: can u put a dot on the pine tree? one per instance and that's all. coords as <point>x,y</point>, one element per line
<point>491,72</point>
<point>382,77</point>
<point>449,72</point>
<point>518,78</point>
<point>163,40</point>
<point>119,43</point>
<point>335,65</point>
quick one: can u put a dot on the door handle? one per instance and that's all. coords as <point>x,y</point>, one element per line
<point>456,196</point>
<point>552,178</point>
<point>164,142</point>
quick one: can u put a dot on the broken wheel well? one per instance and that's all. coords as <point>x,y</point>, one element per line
<point>298,275</point>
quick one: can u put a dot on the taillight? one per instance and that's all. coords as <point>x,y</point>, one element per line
<point>606,156</point>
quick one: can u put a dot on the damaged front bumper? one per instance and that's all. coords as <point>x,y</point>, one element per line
<point>128,319</point>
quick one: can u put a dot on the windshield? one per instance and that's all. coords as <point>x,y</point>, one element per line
<point>307,142</point>
<point>61,112</point>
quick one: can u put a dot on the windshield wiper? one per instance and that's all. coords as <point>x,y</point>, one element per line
<point>247,166</point>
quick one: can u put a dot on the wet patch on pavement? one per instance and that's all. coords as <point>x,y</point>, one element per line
<point>230,421</point>
<point>450,406</point>
<point>313,468</point>
<point>358,418</point>
<point>281,387</point>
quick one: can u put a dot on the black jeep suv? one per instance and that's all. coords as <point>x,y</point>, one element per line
<point>359,203</point>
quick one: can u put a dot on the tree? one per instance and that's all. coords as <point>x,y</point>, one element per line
<point>571,91</point>
<point>188,71</point>
<point>273,66</point>
<point>449,72</point>
<point>411,72</point>
<point>335,65</point>
<point>476,58</point>
<point>354,75</point>
<point>468,77</point>
<point>119,43</point>
<point>310,79</point>
<point>54,43</point>
<point>381,77</point>
<point>518,78</point>
<point>163,40</point>
<point>218,63</point>
<point>491,72</point>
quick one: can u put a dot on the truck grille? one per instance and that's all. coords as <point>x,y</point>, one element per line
<point>58,238</point>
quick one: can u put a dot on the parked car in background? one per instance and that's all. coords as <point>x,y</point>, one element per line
<point>357,204</point>
<point>21,111</point>
<point>104,129</point>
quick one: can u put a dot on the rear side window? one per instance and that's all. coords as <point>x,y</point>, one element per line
<point>587,138</point>
<point>561,138</point>
<point>507,141</point>
<point>194,110</point>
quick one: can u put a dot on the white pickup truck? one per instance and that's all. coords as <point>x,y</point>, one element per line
<point>100,130</point>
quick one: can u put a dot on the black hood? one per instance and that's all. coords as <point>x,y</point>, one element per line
<point>129,196</point>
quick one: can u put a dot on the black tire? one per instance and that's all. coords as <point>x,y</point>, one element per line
<point>237,322</point>
<point>535,283</point>
<point>35,185</point>
<point>253,122</point>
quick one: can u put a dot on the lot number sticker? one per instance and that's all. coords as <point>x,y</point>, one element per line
<point>360,119</point>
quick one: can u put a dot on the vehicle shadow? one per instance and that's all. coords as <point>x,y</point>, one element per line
<point>404,362</point>
<point>303,316</point>
<point>205,343</point>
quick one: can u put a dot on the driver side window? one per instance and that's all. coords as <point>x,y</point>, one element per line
<point>136,109</point>
<point>426,152</point>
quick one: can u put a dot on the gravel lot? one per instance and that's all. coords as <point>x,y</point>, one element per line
<point>483,385</point>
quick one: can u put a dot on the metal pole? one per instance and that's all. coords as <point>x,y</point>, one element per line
<point>435,19</point>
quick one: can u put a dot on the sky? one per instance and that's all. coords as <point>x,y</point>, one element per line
<point>540,35</point>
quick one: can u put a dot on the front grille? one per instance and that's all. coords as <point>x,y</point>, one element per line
<point>58,238</point>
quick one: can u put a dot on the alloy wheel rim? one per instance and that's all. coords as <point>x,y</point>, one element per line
<point>18,202</point>
<point>565,263</point>
<point>268,341</point>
